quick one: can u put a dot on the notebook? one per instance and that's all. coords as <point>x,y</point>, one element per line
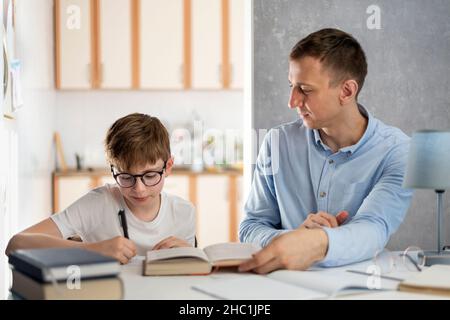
<point>49,264</point>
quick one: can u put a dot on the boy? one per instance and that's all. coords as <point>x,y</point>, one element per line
<point>138,149</point>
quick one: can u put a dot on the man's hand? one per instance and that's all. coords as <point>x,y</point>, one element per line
<point>294,250</point>
<point>324,219</point>
<point>119,248</point>
<point>171,242</point>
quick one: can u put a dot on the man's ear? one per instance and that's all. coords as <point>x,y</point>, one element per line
<point>169,165</point>
<point>348,91</point>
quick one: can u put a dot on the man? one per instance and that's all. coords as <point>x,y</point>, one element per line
<point>327,187</point>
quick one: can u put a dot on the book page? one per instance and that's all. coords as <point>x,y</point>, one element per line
<point>256,288</point>
<point>329,281</point>
<point>184,252</point>
<point>435,277</point>
<point>230,251</point>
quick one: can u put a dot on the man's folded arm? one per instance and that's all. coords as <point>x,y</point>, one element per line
<point>377,219</point>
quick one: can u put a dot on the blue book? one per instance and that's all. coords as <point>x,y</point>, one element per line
<point>46,265</point>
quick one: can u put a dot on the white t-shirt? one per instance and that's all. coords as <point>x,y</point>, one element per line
<point>94,217</point>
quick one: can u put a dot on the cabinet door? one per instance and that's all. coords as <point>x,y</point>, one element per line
<point>206,44</point>
<point>115,44</point>
<point>177,185</point>
<point>107,179</point>
<point>213,205</point>
<point>161,42</point>
<point>73,47</point>
<point>240,203</point>
<point>236,43</point>
<point>70,189</point>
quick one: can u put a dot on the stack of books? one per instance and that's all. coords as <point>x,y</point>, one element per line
<point>64,273</point>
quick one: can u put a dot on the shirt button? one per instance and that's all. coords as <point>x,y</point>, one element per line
<point>322,194</point>
<point>330,161</point>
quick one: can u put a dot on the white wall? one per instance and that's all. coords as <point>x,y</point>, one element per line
<point>34,122</point>
<point>83,117</point>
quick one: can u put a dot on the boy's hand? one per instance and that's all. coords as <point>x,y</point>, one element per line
<point>324,219</point>
<point>171,242</point>
<point>119,248</point>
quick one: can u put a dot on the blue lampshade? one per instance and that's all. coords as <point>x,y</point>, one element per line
<point>429,161</point>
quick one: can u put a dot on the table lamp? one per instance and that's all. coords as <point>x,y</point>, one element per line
<point>429,168</point>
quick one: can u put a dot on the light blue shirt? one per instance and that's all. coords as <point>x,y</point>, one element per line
<point>297,174</point>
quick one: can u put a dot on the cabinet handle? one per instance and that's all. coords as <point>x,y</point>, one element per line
<point>231,73</point>
<point>89,72</point>
<point>181,73</point>
<point>100,74</point>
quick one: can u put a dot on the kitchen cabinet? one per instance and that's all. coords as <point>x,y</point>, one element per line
<point>114,69</point>
<point>149,44</point>
<point>236,50</point>
<point>74,44</point>
<point>213,207</point>
<point>206,44</point>
<point>162,51</point>
<point>68,189</point>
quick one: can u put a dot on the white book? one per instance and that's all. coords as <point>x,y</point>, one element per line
<point>317,283</point>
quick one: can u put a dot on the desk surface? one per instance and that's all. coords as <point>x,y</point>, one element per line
<point>138,287</point>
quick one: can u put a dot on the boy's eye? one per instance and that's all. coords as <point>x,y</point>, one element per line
<point>150,175</point>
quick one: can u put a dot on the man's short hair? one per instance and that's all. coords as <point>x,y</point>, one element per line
<point>137,139</point>
<point>339,53</point>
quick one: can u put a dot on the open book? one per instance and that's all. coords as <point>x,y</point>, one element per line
<point>319,283</point>
<point>433,280</point>
<point>188,260</point>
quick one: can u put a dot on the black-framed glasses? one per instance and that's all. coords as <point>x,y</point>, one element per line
<point>149,178</point>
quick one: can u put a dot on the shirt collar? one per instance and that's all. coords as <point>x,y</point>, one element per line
<point>367,134</point>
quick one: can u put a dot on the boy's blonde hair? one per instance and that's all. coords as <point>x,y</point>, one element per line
<point>136,140</point>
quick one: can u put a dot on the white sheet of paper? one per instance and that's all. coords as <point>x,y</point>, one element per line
<point>255,287</point>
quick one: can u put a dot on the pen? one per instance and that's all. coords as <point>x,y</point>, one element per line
<point>371,274</point>
<point>123,223</point>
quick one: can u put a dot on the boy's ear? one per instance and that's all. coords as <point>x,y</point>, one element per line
<point>169,165</point>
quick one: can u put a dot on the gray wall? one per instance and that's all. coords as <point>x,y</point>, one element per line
<point>407,86</point>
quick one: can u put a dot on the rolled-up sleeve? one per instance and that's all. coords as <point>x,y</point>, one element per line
<point>379,216</point>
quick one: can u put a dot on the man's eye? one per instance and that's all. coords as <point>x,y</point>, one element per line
<point>304,91</point>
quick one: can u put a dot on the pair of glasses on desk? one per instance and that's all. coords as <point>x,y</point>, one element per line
<point>386,262</point>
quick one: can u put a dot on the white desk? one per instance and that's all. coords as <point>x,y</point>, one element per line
<point>138,287</point>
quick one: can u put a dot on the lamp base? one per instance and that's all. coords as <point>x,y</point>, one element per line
<point>433,257</point>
